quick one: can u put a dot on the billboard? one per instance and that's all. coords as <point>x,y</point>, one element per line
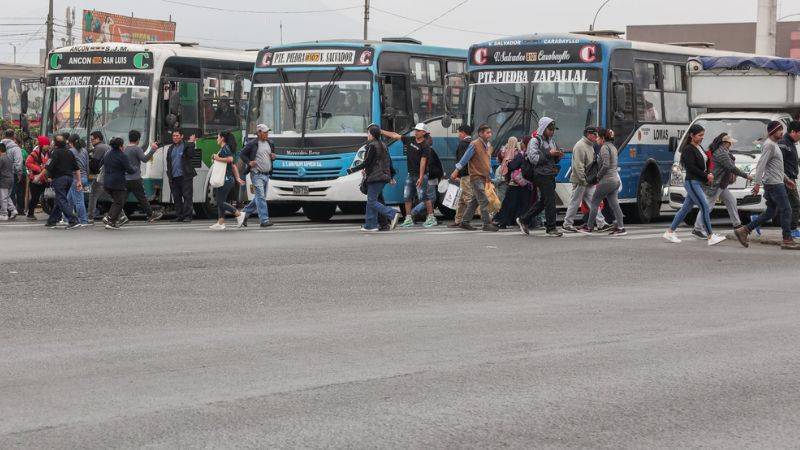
<point>101,26</point>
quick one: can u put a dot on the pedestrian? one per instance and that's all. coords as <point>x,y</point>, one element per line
<point>116,165</point>
<point>770,173</point>
<point>725,173</point>
<point>478,159</point>
<point>133,181</point>
<point>8,211</point>
<point>35,163</point>
<point>509,150</point>
<point>15,155</point>
<point>607,188</point>
<point>583,155</point>
<point>543,155</point>
<point>418,153</point>
<point>99,149</point>
<point>694,162</point>
<point>61,170</point>
<point>464,139</point>
<point>788,146</point>
<point>257,156</point>
<point>227,147</point>
<point>517,198</point>
<point>181,175</point>
<point>434,174</point>
<point>76,196</point>
<point>377,167</point>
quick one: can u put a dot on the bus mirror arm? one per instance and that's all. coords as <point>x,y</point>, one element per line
<point>673,144</point>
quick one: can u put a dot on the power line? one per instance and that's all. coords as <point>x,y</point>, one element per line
<point>438,26</point>
<point>436,18</point>
<point>213,8</point>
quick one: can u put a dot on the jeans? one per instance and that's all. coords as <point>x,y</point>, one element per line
<point>516,201</point>
<point>777,203</point>
<point>423,193</point>
<point>36,194</point>
<point>479,199</point>
<point>580,194</point>
<point>77,200</point>
<point>694,196</point>
<point>221,196</point>
<point>546,201</point>
<point>730,205</point>
<point>259,203</point>
<point>182,196</point>
<point>431,194</point>
<point>464,199</point>
<point>374,207</point>
<point>794,202</point>
<point>136,187</point>
<point>118,198</point>
<point>607,190</point>
<point>61,187</point>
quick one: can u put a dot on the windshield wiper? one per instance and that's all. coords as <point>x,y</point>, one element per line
<point>326,93</point>
<point>291,100</point>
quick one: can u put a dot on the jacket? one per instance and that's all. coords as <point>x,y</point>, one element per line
<point>377,163</point>
<point>608,163</point>
<point>789,149</point>
<point>538,153</point>
<point>35,164</point>
<point>480,165</point>
<point>249,152</point>
<point>582,156</point>
<point>188,153</point>
<point>115,165</point>
<point>724,167</point>
<point>463,145</point>
<point>769,169</point>
<point>14,153</point>
<point>6,172</point>
<point>694,163</point>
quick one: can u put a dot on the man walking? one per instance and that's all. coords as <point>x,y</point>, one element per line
<point>14,152</point>
<point>7,209</point>
<point>543,155</point>
<point>133,181</point>
<point>181,175</point>
<point>582,155</point>
<point>257,156</point>
<point>464,139</point>
<point>61,170</point>
<point>788,146</point>
<point>99,150</point>
<point>770,174</point>
<point>418,154</point>
<point>478,159</point>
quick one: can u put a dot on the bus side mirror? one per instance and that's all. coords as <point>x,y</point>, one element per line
<point>447,121</point>
<point>673,144</point>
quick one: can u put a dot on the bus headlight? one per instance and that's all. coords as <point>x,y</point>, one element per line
<point>360,154</point>
<point>676,176</point>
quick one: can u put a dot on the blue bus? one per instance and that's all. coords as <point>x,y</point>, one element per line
<point>638,89</point>
<point>319,97</point>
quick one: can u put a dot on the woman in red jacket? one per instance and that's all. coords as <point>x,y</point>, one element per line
<point>38,181</point>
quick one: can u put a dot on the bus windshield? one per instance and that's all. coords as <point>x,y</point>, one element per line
<point>514,109</point>
<point>749,133</point>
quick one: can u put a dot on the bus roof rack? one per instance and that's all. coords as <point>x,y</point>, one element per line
<point>181,43</point>
<point>694,44</point>
<point>600,33</point>
<point>402,40</point>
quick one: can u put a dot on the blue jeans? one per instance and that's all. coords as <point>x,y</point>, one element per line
<point>259,203</point>
<point>76,201</point>
<point>430,194</point>
<point>61,187</point>
<point>777,202</point>
<point>694,196</point>
<point>374,207</point>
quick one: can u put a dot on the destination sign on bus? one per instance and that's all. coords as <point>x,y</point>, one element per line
<point>98,60</point>
<point>535,76</point>
<point>316,57</point>
<point>539,54</point>
<point>105,79</point>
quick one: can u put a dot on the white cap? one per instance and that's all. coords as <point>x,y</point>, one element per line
<point>263,128</point>
<point>421,127</point>
<point>728,138</point>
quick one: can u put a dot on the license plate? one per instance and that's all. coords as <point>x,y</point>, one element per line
<point>300,190</point>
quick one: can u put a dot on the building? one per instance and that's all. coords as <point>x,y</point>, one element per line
<point>11,87</point>
<point>739,37</point>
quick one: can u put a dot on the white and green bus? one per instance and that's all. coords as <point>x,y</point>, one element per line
<point>154,88</point>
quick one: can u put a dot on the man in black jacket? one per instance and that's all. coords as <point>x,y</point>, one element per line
<point>61,169</point>
<point>788,146</point>
<point>464,139</point>
<point>181,175</point>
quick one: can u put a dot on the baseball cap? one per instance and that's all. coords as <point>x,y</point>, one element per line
<point>465,129</point>
<point>263,128</point>
<point>729,139</point>
<point>773,126</point>
<point>590,130</point>
<point>43,140</point>
<point>421,127</point>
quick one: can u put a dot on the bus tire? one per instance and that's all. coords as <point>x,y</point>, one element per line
<point>358,208</point>
<point>207,209</point>
<point>319,212</point>
<point>648,201</point>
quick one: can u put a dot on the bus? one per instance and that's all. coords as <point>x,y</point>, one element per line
<point>155,88</point>
<point>319,97</point>
<point>638,89</point>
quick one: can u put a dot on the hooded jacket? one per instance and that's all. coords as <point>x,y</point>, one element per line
<point>724,167</point>
<point>582,156</point>
<point>538,152</point>
<point>789,149</point>
<point>14,154</point>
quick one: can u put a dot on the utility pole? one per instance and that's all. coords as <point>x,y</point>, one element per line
<point>366,19</point>
<point>70,24</point>
<point>766,27</point>
<point>15,52</point>
<point>281,27</point>
<point>49,42</point>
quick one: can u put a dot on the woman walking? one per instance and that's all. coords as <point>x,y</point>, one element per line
<point>377,172</point>
<point>37,179</point>
<point>608,184</point>
<point>694,162</point>
<point>115,166</point>
<point>76,197</point>
<point>517,198</point>
<point>227,144</point>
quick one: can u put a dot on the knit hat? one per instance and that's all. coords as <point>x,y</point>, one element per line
<point>774,126</point>
<point>43,140</point>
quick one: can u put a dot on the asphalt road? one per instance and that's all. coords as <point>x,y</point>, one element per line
<point>173,336</point>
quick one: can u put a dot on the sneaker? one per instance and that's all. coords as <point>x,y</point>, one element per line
<point>3,218</point>
<point>112,226</point>
<point>454,225</point>
<point>155,215</point>
<point>430,222</point>
<point>554,233</point>
<point>393,223</point>
<point>699,234</point>
<point>409,222</point>
<point>796,234</point>
<point>32,218</point>
<point>523,228</point>
<point>177,219</point>
<point>72,226</point>
<point>384,228</point>
<point>790,244</point>
<point>13,215</point>
<point>123,220</point>
<point>569,228</point>
<point>671,237</point>
<point>51,225</point>
<point>757,229</point>
<point>241,219</point>
<point>218,226</point>
<point>467,226</point>
<point>741,235</point>
<point>106,221</point>
<point>62,223</point>
<point>266,224</point>
<point>584,229</point>
<point>618,232</point>
<point>715,239</point>
<point>368,230</point>
<point>490,227</point>
<point>604,228</point>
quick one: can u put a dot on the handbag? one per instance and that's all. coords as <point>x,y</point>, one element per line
<point>217,176</point>
<point>363,185</point>
<point>451,196</point>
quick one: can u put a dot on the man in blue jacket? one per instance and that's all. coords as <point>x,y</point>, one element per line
<point>788,146</point>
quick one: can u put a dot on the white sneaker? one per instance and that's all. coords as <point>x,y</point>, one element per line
<point>218,226</point>
<point>12,215</point>
<point>240,219</point>
<point>396,219</point>
<point>369,230</point>
<point>3,217</point>
<point>715,239</point>
<point>671,237</point>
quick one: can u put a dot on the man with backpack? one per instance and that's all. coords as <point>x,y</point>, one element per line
<point>435,173</point>
<point>418,153</point>
<point>464,140</point>
<point>99,149</point>
<point>541,167</point>
<point>478,158</point>
<point>583,158</point>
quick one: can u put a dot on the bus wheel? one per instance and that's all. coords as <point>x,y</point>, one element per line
<point>648,202</point>
<point>207,209</point>
<point>319,212</point>
<point>356,209</point>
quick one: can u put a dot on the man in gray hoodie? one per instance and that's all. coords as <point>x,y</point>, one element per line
<point>582,156</point>
<point>543,154</point>
<point>15,155</point>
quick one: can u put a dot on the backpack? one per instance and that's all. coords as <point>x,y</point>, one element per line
<point>592,170</point>
<point>435,169</point>
<point>528,168</point>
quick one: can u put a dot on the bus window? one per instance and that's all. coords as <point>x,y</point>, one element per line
<point>189,113</point>
<point>648,95</point>
<point>396,114</point>
<point>220,105</point>
<point>457,92</point>
<point>427,91</point>
<point>675,106</point>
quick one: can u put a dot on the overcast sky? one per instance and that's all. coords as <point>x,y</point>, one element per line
<point>488,19</point>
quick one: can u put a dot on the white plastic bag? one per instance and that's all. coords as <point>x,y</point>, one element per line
<point>217,176</point>
<point>452,196</point>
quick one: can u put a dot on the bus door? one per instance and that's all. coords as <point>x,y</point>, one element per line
<point>179,107</point>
